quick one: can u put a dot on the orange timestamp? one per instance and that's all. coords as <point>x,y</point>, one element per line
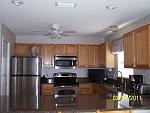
<point>127,97</point>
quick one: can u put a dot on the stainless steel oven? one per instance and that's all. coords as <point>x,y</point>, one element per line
<point>65,62</point>
<point>66,89</point>
<point>66,95</point>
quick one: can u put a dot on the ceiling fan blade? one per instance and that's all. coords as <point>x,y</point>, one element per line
<point>69,31</point>
<point>39,31</point>
<point>47,34</point>
<point>63,34</point>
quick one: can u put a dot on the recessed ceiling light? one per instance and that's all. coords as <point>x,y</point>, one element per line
<point>111,7</point>
<point>65,4</point>
<point>17,2</point>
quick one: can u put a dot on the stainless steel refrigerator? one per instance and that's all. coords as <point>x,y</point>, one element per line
<point>25,75</point>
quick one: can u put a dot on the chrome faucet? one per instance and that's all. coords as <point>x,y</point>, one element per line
<point>116,73</point>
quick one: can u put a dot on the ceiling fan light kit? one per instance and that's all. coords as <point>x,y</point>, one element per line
<point>17,2</point>
<point>111,7</point>
<point>54,36</point>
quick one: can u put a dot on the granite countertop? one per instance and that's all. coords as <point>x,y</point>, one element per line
<point>85,102</point>
<point>89,102</point>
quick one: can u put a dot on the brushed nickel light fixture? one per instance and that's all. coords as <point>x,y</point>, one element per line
<point>111,7</point>
<point>17,2</point>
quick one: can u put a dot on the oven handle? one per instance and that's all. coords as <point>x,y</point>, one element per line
<point>57,96</point>
<point>71,87</point>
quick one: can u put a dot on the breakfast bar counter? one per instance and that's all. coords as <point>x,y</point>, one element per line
<point>86,103</point>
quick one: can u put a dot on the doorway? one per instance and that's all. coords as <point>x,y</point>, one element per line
<point>5,67</point>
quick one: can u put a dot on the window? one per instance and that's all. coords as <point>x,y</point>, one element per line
<point>125,71</point>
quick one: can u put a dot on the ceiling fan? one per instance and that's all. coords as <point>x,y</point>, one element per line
<point>56,32</point>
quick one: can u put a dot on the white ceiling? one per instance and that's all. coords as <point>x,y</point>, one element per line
<point>90,18</point>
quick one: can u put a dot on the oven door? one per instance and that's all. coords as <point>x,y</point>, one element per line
<point>66,91</point>
<point>66,101</point>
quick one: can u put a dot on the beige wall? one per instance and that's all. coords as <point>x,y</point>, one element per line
<point>9,36</point>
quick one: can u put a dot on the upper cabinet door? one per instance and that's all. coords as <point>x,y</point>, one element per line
<point>83,56</point>
<point>102,55</point>
<point>22,50</point>
<point>141,39</point>
<point>97,56</point>
<point>59,49</point>
<point>71,50</point>
<point>129,52</point>
<point>137,48</point>
<point>107,59</point>
<point>91,56</point>
<point>47,55</point>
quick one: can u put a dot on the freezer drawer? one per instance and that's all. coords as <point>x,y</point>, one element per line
<point>25,85</point>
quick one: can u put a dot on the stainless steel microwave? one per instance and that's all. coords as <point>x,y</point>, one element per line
<point>65,62</point>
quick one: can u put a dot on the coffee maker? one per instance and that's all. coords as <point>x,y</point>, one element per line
<point>137,85</point>
<point>134,82</point>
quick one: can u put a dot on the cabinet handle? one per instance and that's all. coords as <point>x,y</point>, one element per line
<point>52,61</point>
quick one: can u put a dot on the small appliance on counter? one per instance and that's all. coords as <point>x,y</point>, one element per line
<point>46,80</point>
<point>143,89</point>
<point>137,85</point>
<point>96,75</point>
<point>65,88</point>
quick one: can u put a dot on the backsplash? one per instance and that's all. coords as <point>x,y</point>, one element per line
<point>109,72</point>
<point>144,72</point>
<point>81,72</point>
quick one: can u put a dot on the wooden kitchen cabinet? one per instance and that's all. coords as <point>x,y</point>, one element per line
<point>97,56</point>
<point>141,39</point>
<point>99,90</point>
<point>136,48</point>
<point>85,88</point>
<point>129,51</point>
<point>47,55</point>
<point>59,49</point>
<point>106,58</point>
<point>65,49</point>
<point>25,49</point>
<point>89,56</point>
<point>47,89</point>
<point>88,88</point>
<point>71,50</point>
<point>93,56</point>
<point>83,56</point>
<point>22,49</point>
<point>102,55</point>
